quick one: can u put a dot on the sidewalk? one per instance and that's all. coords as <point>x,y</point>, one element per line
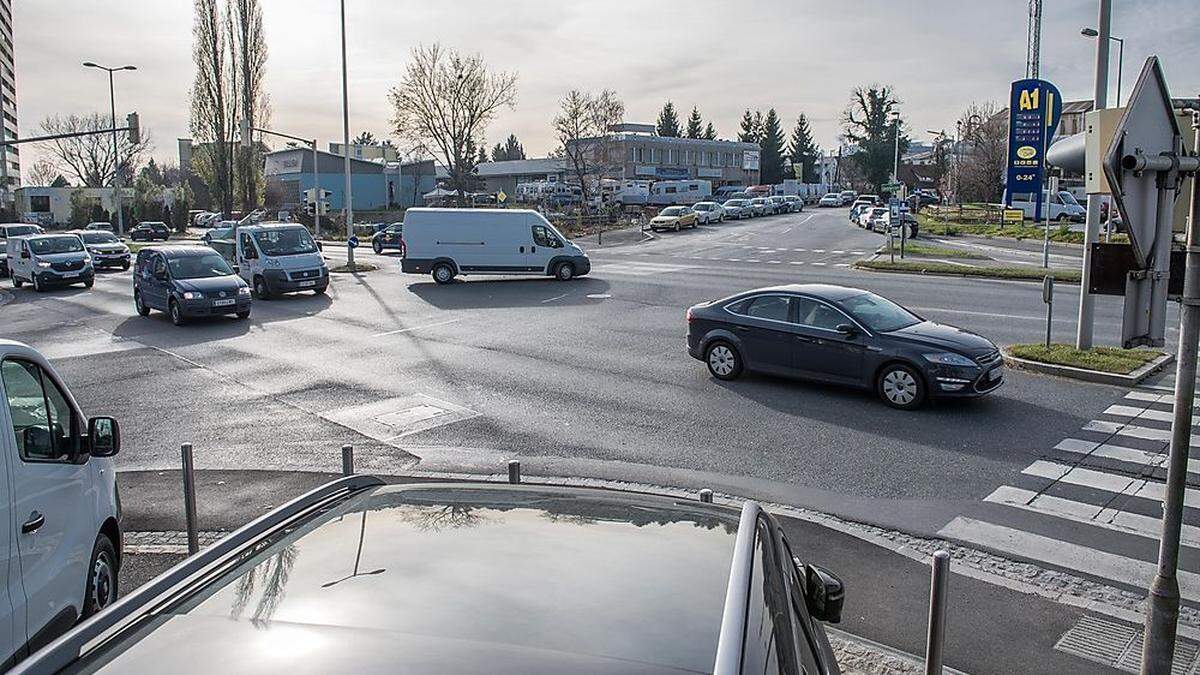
<point>992,629</point>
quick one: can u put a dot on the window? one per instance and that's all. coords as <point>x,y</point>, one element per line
<point>656,155</point>
<point>248,250</point>
<point>160,266</point>
<point>44,425</point>
<point>879,314</point>
<point>773,307</point>
<point>39,203</point>
<point>542,236</point>
<point>769,641</point>
<point>818,314</point>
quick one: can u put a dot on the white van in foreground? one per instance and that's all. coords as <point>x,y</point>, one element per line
<point>276,258</point>
<point>60,532</point>
<point>449,242</point>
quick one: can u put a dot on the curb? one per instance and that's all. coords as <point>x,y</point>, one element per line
<point>924,273</point>
<point>1095,376</point>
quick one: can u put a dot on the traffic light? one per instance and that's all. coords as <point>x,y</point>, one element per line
<point>310,209</point>
<point>135,132</point>
<point>324,207</point>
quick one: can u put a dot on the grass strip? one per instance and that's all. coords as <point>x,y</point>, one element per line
<point>1104,359</point>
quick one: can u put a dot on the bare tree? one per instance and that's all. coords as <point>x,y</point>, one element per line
<point>249,59</point>
<point>445,101</point>
<point>213,104</point>
<point>582,129</point>
<point>41,173</point>
<point>983,151</point>
<point>90,158</point>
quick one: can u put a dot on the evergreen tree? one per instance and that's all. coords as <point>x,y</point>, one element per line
<point>498,153</point>
<point>758,127</point>
<point>483,156</point>
<point>747,133</point>
<point>802,150</point>
<point>869,125</point>
<point>695,124</point>
<point>772,149</point>
<point>710,132</point>
<point>668,121</point>
<point>513,148</point>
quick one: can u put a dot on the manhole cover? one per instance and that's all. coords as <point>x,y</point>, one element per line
<point>389,419</point>
<point>406,418</point>
<point>1119,645</point>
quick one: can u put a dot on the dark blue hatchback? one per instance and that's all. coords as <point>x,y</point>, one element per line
<point>187,282</point>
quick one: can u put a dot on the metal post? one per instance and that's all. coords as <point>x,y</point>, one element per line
<point>317,187</point>
<point>189,498</point>
<point>1120,65</point>
<point>1087,302</point>
<point>1048,298</point>
<point>1158,649</point>
<point>706,496</point>
<point>112,101</point>
<point>936,639</point>
<point>347,197</point>
<point>347,460</point>
<point>514,471</point>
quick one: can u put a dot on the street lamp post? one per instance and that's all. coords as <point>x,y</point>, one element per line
<point>112,101</point>
<point>348,197</point>
<point>1092,32</point>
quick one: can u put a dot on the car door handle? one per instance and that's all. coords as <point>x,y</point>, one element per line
<point>36,520</point>
<point>522,249</point>
<point>742,328</point>
<point>533,249</point>
<point>802,338</point>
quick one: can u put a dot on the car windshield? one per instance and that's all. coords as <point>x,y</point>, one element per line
<point>49,245</point>
<point>99,238</point>
<point>153,224</point>
<point>285,241</point>
<point>832,196</point>
<point>702,207</point>
<point>879,314</point>
<point>1068,198</point>
<point>736,202</point>
<point>199,266</point>
<point>19,231</point>
<point>673,211</point>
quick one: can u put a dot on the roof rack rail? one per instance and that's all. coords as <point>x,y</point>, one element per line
<point>733,618</point>
<point>70,646</point>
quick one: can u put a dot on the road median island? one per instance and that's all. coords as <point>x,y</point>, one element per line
<point>353,269</point>
<point>1105,365</point>
<point>930,251</point>
<point>941,268</point>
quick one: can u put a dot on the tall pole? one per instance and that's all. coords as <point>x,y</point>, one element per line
<point>112,102</point>
<point>1159,644</point>
<point>1087,303</point>
<point>348,197</point>
<point>1120,65</point>
<point>317,188</point>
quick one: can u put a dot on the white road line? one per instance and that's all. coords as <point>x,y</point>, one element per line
<point>1134,431</point>
<point>837,252</point>
<point>1150,397</point>
<point>799,250</point>
<point>412,328</point>
<point>1117,452</point>
<point>557,297</point>
<point>1064,554</point>
<point>1088,514</point>
<point>818,264</point>
<point>1142,413</point>
<point>842,265</point>
<point>818,250</point>
<point>796,262</point>
<point>753,260</point>
<point>1107,482</point>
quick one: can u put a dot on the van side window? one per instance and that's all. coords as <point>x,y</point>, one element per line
<point>44,424</point>
<point>542,236</point>
<point>248,250</point>
<point>160,266</point>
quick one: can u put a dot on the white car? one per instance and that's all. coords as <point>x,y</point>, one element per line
<point>708,212</point>
<point>876,217</point>
<point>61,527</point>
<point>830,199</point>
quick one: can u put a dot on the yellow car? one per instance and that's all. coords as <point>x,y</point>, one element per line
<point>673,217</point>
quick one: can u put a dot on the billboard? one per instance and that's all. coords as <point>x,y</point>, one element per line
<point>751,159</point>
<point>1034,109</point>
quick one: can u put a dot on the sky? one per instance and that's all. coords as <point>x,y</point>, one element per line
<point>798,56</point>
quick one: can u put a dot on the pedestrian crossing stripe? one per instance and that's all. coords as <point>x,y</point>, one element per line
<point>639,269</point>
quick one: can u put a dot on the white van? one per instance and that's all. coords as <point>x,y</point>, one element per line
<point>1063,206</point>
<point>46,260</point>
<point>277,258</point>
<point>680,192</point>
<point>449,242</point>
<point>60,530</point>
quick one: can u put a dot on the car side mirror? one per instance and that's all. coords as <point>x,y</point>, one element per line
<point>104,436</point>
<point>824,594</point>
<point>847,329</point>
<point>320,247</point>
<point>25,254</point>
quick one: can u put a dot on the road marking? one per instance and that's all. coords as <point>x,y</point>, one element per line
<point>1123,570</point>
<point>818,264</point>
<point>1107,482</point>
<point>1135,431</point>
<point>753,260</point>
<point>557,297</point>
<point>800,250</point>
<point>818,250</point>
<point>639,269</point>
<point>838,252</point>
<point>796,262</point>
<point>599,296</point>
<point>842,265</point>
<point>774,262</point>
<point>1142,413</point>
<point>412,328</point>
<point>1117,452</point>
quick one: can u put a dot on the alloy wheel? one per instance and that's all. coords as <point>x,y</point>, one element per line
<point>103,582</point>
<point>900,387</point>
<point>721,360</point>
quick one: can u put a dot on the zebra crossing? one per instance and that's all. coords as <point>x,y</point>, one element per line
<point>1092,504</point>
<point>637,268</point>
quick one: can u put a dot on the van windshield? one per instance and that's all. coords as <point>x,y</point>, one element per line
<point>1068,198</point>
<point>199,266</point>
<point>289,241</point>
<point>51,245</point>
<point>19,230</point>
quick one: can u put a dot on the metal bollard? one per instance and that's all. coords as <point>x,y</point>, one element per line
<point>347,460</point>
<point>706,496</point>
<point>514,471</point>
<point>936,640</point>
<point>189,498</point>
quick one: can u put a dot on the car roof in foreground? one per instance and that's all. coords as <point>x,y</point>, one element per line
<point>456,578</point>
<point>826,291</point>
<point>180,250</point>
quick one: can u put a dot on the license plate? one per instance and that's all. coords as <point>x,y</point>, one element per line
<point>305,284</point>
<point>223,303</point>
<point>995,373</point>
<point>70,274</point>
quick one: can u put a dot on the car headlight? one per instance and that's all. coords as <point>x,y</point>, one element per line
<point>192,295</point>
<point>43,264</point>
<point>949,359</point>
<point>87,259</point>
<point>243,290</point>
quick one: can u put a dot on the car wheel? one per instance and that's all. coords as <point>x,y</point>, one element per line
<point>677,226</point>
<point>15,281</point>
<point>243,315</point>
<point>100,589</point>
<point>723,360</point>
<point>377,247</point>
<point>38,287</point>
<point>125,266</point>
<point>901,387</point>
<point>1062,218</point>
<point>141,308</point>
<point>176,313</point>
<point>564,272</point>
<point>89,283</point>
<point>443,273</point>
<point>261,290</point>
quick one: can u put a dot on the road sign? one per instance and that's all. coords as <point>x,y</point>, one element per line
<point>352,242</point>
<point>1014,216</point>
<point>891,186</point>
<point>1035,107</point>
<point>501,197</point>
<point>1148,127</point>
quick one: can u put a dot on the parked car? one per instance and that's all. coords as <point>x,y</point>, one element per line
<point>708,212</point>
<point>737,208</point>
<point>188,282</point>
<point>1063,206</point>
<point>674,218</point>
<point>106,250</point>
<point>848,197</point>
<point>13,230</point>
<point>778,204</point>
<point>910,222</point>
<point>830,199</point>
<point>727,192</point>
<point>844,336</point>
<point>106,227</point>
<point>875,199</point>
<point>760,207</point>
<point>150,230</point>
<point>514,241</point>
<point>857,208</point>
<point>62,516</point>
<point>388,237</point>
<point>45,260</point>
<point>794,202</point>
<point>277,258</point>
<point>476,578</point>
<point>207,219</point>
<point>876,219</point>
<point>221,232</point>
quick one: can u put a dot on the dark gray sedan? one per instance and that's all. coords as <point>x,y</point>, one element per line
<point>843,336</point>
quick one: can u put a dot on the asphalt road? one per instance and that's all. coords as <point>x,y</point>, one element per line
<point>588,377</point>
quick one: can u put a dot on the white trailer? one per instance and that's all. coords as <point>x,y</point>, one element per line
<point>682,192</point>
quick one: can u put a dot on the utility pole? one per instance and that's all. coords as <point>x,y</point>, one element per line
<point>112,101</point>
<point>1087,303</point>
<point>348,195</point>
